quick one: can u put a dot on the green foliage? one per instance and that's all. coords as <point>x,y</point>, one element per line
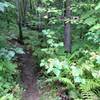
<point>97,6</point>
<point>8,71</point>
<point>5,54</point>
<point>90,84</point>
<point>10,53</point>
<point>4,5</point>
<point>6,83</point>
<point>8,68</point>
<point>54,65</point>
<point>89,96</point>
<point>79,71</point>
<point>90,20</point>
<point>2,40</point>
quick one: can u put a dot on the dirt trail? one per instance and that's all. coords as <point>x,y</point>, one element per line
<point>28,76</point>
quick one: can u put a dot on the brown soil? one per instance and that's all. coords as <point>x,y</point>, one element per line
<point>28,76</point>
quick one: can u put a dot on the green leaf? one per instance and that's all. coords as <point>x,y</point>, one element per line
<point>98,6</point>
<point>96,74</point>
<point>1,66</point>
<point>66,81</point>
<point>95,27</point>
<point>10,55</point>
<point>98,59</point>
<point>7,97</point>
<point>7,4</point>
<point>56,72</point>
<point>2,7</point>
<point>90,21</point>
<point>87,14</point>
<point>19,51</point>
<point>77,79</point>
<point>10,66</point>
<point>75,71</point>
<point>50,69</point>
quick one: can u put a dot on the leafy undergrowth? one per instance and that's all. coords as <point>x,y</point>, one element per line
<point>51,95</point>
<point>47,92</point>
<point>9,73</point>
<point>9,87</point>
<point>78,72</point>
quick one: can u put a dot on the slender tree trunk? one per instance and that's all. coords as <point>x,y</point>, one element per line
<point>39,17</point>
<point>67,27</point>
<point>8,20</point>
<point>24,7</point>
<point>19,20</point>
<point>30,5</point>
<point>20,32</point>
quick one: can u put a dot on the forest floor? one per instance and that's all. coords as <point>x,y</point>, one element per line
<point>29,78</point>
<point>32,79</point>
<point>29,75</point>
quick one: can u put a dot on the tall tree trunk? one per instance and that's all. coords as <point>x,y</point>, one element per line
<point>20,32</point>
<point>30,5</point>
<point>24,8</point>
<point>19,19</point>
<point>67,27</point>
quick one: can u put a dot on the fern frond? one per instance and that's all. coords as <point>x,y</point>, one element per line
<point>63,80</point>
<point>89,95</point>
<point>90,85</point>
<point>97,91</point>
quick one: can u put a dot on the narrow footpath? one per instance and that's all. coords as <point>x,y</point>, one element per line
<point>28,76</point>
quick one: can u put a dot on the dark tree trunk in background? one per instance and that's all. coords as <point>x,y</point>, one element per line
<point>21,10</point>
<point>30,5</point>
<point>19,20</point>
<point>67,27</point>
<point>24,8</point>
<point>20,32</point>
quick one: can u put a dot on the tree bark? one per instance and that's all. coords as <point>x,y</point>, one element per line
<point>67,27</point>
<point>19,20</point>
<point>30,5</point>
<point>24,7</point>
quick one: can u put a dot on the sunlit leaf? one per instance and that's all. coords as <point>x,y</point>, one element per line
<point>98,6</point>
<point>56,71</point>
<point>98,59</point>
